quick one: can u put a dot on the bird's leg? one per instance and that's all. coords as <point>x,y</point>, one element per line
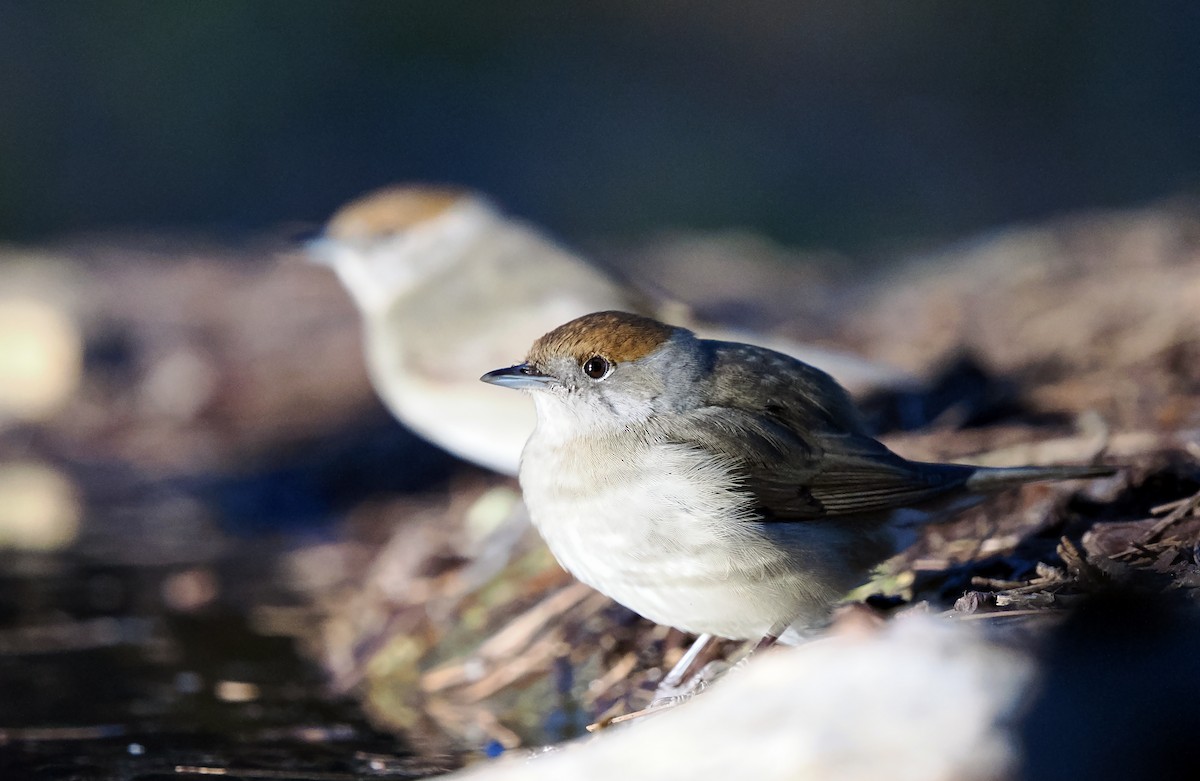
<point>679,673</point>
<point>768,640</point>
<point>681,683</point>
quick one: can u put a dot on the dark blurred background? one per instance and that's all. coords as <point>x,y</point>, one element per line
<point>831,124</point>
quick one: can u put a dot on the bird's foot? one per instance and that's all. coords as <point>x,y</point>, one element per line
<point>671,693</point>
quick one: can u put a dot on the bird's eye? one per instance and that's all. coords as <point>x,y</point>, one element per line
<point>597,367</point>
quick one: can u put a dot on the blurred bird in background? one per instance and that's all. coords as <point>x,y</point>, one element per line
<point>449,286</point>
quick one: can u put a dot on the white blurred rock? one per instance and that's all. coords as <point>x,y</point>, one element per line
<point>41,358</point>
<point>39,507</point>
<point>923,698</point>
<point>41,345</point>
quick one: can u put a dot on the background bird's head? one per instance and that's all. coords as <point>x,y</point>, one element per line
<point>388,242</point>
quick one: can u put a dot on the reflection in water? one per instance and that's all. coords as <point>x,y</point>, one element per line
<point>101,681</point>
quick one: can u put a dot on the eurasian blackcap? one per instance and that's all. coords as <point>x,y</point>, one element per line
<point>447,284</point>
<point>718,487</point>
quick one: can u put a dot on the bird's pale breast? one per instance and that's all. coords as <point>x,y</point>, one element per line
<point>662,529</point>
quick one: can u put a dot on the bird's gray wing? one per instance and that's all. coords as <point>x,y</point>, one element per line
<point>796,477</point>
<point>858,475</point>
<point>792,436</point>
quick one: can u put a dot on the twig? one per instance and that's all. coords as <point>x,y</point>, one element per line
<point>617,673</point>
<point>1049,611</point>
<point>249,772</point>
<point>509,642</point>
<point>37,734</point>
<point>530,660</point>
<point>1176,511</point>
<point>637,714</point>
<point>521,630</point>
<point>1169,506</point>
<point>1187,507</point>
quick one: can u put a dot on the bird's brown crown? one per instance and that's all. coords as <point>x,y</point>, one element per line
<point>391,210</point>
<point>617,336</point>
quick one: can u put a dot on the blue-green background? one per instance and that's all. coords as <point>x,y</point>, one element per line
<point>834,123</point>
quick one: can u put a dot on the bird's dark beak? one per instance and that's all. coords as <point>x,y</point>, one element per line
<point>522,377</point>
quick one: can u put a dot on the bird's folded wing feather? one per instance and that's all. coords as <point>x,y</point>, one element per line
<point>797,476</point>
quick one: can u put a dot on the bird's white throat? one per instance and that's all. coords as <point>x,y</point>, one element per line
<point>562,419</point>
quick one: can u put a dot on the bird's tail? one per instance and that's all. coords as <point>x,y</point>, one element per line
<point>986,479</point>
